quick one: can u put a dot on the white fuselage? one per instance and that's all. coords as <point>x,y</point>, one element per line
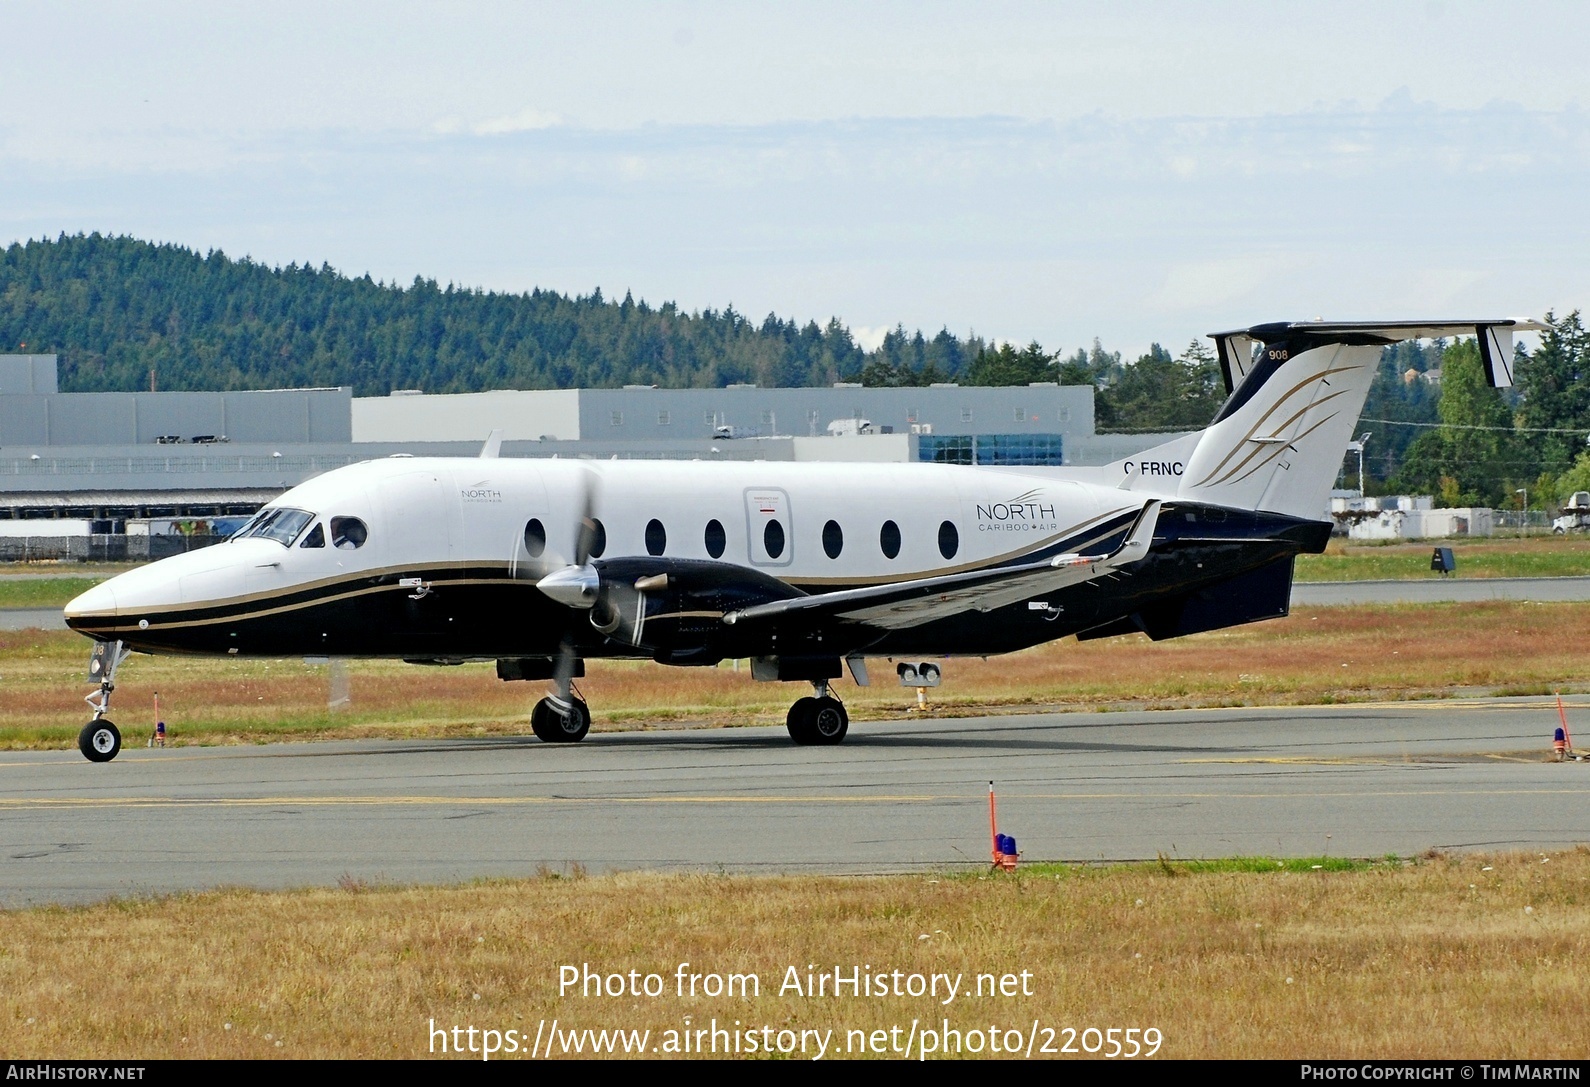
<point>431,513</point>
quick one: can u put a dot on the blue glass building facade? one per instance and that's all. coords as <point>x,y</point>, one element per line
<point>992,449</point>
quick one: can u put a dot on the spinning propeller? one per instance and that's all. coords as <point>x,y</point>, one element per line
<point>576,585</point>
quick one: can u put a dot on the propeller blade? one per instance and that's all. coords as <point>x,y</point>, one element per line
<point>563,674</point>
<point>586,531</point>
<point>531,556</point>
<point>576,585</point>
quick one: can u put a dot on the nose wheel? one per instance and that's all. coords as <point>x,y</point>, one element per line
<point>560,721</point>
<point>100,740</point>
<point>819,721</point>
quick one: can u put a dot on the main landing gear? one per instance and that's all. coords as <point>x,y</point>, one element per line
<point>100,740</point>
<point>821,720</point>
<point>558,720</point>
<point>562,717</point>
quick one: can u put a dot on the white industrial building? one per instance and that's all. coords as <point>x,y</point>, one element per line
<point>107,457</point>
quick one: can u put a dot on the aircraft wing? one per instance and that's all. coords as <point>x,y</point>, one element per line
<point>904,604</point>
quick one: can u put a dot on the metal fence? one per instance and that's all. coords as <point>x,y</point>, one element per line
<point>297,465</point>
<point>99,548</point>
<point>1527,522</point>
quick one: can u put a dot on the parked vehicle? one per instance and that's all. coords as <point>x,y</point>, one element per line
<point>1575,515</point>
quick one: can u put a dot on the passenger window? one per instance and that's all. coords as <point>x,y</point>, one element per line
<point>598,538</point>
<point>773,539</point>
<point>716,540</point>
<point>348,533</point>
<point>889,539</point>
<point>833,539</point>
<point>535,537</point>
<point>316,537</point>
<point>656,537</point>
<point>949,540</point>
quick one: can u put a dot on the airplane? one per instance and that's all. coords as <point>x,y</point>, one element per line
<point>804,568</point>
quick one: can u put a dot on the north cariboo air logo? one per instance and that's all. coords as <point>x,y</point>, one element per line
<point>1024,513</point>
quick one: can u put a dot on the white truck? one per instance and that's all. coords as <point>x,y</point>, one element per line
<point>1575,515</point>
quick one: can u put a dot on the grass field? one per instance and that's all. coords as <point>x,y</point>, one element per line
<point>1498,556</point>
<point>1316,655</point>
<point>1442,957</point>
<point>47,592</point>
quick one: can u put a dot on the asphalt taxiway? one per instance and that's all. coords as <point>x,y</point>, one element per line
<point>1357,780</point>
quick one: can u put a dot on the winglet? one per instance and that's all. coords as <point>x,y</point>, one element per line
<point>1141,537</point>
<point>493,446</point>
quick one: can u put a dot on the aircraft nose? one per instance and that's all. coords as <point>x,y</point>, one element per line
<point>97,603</point>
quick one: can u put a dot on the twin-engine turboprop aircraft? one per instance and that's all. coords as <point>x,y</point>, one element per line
<point>543,564</point>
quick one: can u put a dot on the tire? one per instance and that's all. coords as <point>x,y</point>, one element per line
<point>829,722</point>
<point>800,723</point>
<point>553,725</point>
<point>99,741</point>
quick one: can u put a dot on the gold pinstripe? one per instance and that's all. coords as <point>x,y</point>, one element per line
<point>1281,449</point>
<point>1265,417</point>
<point>86,625</point>
<point>1304,410</point>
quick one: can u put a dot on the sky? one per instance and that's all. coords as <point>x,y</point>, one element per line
<point>1057,171</point>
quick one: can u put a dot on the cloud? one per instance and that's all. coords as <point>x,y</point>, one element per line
<point>870,338</point>
<point>526,120</point>
<point>1132,230</point>
<point>1205,284</point>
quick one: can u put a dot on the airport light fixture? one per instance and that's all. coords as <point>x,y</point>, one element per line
<point>1357,446</point>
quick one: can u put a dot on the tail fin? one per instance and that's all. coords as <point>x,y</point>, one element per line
<point>1278,441</point>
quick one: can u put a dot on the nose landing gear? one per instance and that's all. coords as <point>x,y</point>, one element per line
<point>100,740</point>
<point>818,721</point>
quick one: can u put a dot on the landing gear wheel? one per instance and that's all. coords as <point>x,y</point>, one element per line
<point>799,721</point>
<point>829,721</point>
<point>560,724</point>
<point>817,721</point>
<point>99,741</point>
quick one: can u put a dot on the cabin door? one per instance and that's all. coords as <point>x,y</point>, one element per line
<point>770,536</point>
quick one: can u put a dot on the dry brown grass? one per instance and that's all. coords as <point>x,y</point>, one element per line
<point>1316,655</point>
<point>1444,957</point>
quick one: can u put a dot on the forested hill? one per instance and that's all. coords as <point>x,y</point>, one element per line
<point>115,308</point>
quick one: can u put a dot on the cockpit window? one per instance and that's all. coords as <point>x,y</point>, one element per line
<point>348,533</point>
<point>248,526</point>
<point>280,524</point>
<point>316,537</point>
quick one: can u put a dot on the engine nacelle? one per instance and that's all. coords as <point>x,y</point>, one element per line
<point>673,608</point>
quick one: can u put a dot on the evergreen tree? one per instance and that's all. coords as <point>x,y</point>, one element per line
<point>1555,387</point>
<point>1008,366</point>
<point>1470,459</point>
<point>1400,394</point>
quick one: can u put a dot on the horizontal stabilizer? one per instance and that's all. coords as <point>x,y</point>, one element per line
<point>1238,358</point>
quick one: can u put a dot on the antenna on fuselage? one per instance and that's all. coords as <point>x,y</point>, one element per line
<point>493,446</point>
